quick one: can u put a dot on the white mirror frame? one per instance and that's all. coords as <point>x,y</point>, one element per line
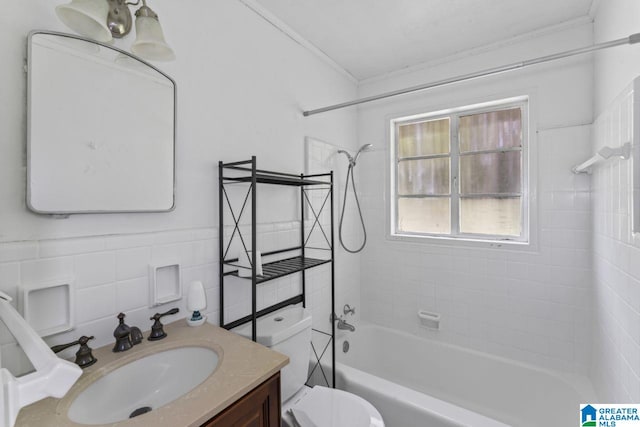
<point>108,190</point>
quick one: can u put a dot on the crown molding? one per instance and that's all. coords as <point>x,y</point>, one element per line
<point>296,37</point>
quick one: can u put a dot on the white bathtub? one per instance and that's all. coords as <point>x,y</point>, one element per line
<point>417,382</point>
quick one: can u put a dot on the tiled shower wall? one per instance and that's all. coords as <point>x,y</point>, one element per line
<point>616,313</point>
<point>529,304</point>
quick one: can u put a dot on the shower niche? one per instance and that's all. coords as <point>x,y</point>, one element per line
<point>239,184</point>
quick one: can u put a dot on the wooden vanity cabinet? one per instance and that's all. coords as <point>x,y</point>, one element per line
<point>258,408</point>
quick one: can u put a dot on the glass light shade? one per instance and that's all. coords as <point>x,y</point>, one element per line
<point>86,17</point>
<point>196,298</point>
<point>150,43</point>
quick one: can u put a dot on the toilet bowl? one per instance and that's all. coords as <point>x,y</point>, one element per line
<point>288,331</point>
<point>323,406</point>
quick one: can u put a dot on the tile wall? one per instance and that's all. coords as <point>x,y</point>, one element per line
<point>530,305</point>
<point>616,308</point>
<point>111,274</point>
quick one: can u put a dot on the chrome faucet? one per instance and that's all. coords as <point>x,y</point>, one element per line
<point>347,309</point>
<point>342,324</point>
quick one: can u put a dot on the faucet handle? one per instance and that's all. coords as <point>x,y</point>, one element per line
<point>59,348</point>
<point>122,334</point>
<point>348,310</point>
<point>84,357</point>
<point>157,331</point>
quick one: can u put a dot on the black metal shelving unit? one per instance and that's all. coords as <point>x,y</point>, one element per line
<point>246,172</point>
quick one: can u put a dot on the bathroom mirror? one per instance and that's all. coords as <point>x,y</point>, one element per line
<point>101,129</point>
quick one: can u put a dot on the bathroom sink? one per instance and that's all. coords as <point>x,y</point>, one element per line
<point>143,385</point>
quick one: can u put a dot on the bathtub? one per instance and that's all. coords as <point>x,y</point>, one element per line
<point>417,382</point>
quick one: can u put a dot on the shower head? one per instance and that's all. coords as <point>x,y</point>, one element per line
<point>352,159</point>
<point>365,147</point>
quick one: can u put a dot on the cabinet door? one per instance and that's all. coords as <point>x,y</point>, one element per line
<point>258,408</point>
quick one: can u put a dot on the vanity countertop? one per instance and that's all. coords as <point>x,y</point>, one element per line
<point>242,366</point>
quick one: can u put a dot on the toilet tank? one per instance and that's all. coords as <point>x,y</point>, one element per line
<point>287,331</point>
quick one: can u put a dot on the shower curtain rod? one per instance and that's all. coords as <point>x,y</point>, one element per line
<point>632,39</point>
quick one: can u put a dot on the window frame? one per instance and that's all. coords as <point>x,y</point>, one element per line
<point>454,114</point>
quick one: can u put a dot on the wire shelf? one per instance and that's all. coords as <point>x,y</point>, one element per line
<point>284,267</point>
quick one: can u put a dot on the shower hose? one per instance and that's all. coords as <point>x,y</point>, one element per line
<point>344,204</point>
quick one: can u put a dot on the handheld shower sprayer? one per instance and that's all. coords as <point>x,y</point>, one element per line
<point>354,158</point>
<point>349,156</point>
<point>352,165</point>
<point>365,147</point>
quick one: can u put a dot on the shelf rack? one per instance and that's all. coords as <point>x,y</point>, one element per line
<point>246,172</point>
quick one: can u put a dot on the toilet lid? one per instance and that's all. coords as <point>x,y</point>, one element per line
<point>327,407</point>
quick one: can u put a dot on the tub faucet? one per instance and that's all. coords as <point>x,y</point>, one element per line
<point>342,324</point>
<point>347,309</point>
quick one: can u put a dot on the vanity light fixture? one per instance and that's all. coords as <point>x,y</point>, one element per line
<point>103,20</point>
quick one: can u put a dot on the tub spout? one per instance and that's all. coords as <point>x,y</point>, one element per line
<point>342,324</point>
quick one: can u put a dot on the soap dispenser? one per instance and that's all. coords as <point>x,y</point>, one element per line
<point>196,301</point>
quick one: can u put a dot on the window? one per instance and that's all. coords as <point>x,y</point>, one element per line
<point>462,173</point>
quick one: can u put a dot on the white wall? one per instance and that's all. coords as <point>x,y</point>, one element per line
<point>530,305</point>
<point>615,68</point>
<point>616,342</point>
<point>242,85</point>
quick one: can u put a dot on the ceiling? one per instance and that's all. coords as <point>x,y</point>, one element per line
<point>373,37</point>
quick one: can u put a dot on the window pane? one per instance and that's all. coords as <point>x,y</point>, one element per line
<point>425,215</point>
<point>424,138</point>
<point>491,216</point>
<point>490,173</point>
<point>424,176</point>
<point>491,131</point>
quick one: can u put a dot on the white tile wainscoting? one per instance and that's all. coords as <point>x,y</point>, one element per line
<point>111,275</point>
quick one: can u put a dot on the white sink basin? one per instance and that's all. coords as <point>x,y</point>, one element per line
<point>143,385</point>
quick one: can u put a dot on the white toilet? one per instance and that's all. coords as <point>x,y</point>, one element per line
<point>288,331</point>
